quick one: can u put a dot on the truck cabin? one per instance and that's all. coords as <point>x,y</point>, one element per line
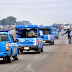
<point>23,31</point>
<point>46,30</point>
<point>3,35</point>
<point>55,26</point>
<point>54,29</point>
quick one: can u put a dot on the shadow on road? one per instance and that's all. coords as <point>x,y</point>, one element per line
<point>3,62</point>
<point>47,44</point>
<point>29,53</point>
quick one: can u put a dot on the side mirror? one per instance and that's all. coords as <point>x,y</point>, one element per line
<point>16,40</point>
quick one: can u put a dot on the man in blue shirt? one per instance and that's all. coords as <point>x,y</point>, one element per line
<point>69,37</point>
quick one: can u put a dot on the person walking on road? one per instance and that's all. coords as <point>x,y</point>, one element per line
<point>69,37</point>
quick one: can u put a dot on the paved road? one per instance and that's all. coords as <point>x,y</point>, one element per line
<point>32,62</point>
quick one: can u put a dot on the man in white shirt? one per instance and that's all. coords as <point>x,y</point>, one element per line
<point>41,32</point>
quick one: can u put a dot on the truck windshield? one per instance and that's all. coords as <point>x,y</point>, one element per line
<point>55,26</point>
<point>26,33</point>
<point>3,37</point>
<point>66,24</point>
<point>53,30</point>
<point>46,32</point>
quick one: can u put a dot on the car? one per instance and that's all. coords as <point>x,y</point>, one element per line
<point>61,25</point>
<point>47,34</point>
<point>26,43</point>
<point>66,26</point>
<point>8,47</point>
<point>55,33</point>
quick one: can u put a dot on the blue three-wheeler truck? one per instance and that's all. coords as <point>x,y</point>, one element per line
<point>47,34</point>
<point>8,47</point>
<point>26,42</point>
<point>55,33</point>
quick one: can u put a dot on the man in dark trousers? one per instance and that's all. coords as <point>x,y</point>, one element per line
<point>69,37</point>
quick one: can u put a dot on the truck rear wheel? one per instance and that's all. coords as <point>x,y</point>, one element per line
<point>9,58</point>
<point>57,37</point>
<point>21,51</point>
<point>41,49</point>
<point>16,57</point>
<point>51,43</point>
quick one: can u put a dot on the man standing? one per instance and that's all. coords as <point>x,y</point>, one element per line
<point>69,37</point>
<point>41,32</point>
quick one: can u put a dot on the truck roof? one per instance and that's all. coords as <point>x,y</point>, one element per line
<point>45,27</point>
<point>26,26</point>
<point>4,33</point>
<point>48,27</point>
<point>4,30</point>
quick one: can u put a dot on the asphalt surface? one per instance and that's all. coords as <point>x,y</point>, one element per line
<point>32,62</point>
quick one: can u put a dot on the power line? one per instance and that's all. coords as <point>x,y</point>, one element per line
<point>36,3</point>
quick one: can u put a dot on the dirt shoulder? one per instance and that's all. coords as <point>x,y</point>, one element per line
<point>60,61</point>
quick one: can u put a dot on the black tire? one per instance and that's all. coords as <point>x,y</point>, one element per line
<point>41,49</point>
<point>57,37</point>
<point>9,58</point>
<point>53,42</point>
<point>17,56</point>
<point>21,51</point>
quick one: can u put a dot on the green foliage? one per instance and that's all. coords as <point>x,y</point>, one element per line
<point>12,20</point>
<point>23,23</point>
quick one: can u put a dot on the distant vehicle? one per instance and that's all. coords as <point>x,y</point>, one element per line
<point>55,33</point>
<point>70,25</point>
<point>47,33</point>
<point>61,25</point>
<point>55,26</point>
<point>8,47</point>
<point>59,28</point>
<point>66,26</point>
<point>27,43</point>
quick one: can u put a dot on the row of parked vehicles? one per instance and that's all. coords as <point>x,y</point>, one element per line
<point>27,37</point>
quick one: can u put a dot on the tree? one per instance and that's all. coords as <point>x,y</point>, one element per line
<point>3,21</point>
<point>19,23</point>
<point>24,23</point>
<point>8,21</point>
<point>12,21</point>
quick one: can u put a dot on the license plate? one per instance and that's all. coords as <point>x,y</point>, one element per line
<point>27,48</point>
<point>44,41</point>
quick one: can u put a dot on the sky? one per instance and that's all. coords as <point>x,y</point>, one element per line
<point>38,12</point>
